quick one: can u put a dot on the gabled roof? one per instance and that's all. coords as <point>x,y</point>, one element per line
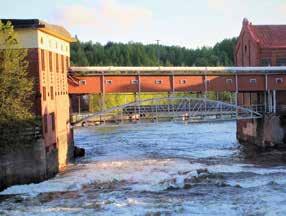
<point>55,30</point>
<point>267,36</point>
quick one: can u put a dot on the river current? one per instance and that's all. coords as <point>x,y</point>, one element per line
<point>159,169</point>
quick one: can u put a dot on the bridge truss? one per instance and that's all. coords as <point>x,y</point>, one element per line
<point>187,109</point>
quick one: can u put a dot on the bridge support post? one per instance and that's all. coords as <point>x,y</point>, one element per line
<point>268,131</point>
<point>78,100</point>
<point>274,101</point>
<point>102,102</point>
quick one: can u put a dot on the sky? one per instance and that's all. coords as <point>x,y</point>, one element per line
<point>189,23</point>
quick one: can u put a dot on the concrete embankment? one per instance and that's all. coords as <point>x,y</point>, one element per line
<point>269,131</point>
<point>30,163</point>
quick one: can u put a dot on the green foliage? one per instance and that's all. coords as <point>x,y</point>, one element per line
<point>137,54</point>
<point>16,87</point>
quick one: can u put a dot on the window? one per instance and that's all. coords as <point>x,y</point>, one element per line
<point>134,82</point>
<point>279,80</point>
<point>108,82</point>
<point>44,94</point>
<point>158,82</point>
<point>45,123</point>
<point>281,62</point>
<point>265,62</point>
<point>52,92</point>
<point>63,64</point>
<point>183,82</point>
<point>57,63</point>
<point>82,82</point>
<point>51,61</point>
<point>245,48</point>
<point>228,81</point>
<point>252,81</point>
<point>42,40</point>
<point>43,60</point>
<point>53,121</point>
<point>67,62</point>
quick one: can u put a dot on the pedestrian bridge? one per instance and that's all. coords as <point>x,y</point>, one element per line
<point>186,109</point>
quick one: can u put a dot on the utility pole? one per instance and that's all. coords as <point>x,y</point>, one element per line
<point>158,51</point>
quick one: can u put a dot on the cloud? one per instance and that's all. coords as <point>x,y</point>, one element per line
<point>106,15</point>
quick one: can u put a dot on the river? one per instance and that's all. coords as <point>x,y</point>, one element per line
<point>159,169</point>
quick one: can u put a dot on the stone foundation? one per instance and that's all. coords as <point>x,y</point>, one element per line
<point>269,131</point>
<point>30,163</point>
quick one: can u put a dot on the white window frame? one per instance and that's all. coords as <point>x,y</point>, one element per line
<point>158,82</point>
<point>228,81</point>
<point>82,82</point>
<point>183,82</point>
<point>252,81</point>
<point>108,82</point>
<point>134,82</point>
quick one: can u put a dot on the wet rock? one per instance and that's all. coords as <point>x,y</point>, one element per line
<point>153,214</point>
<point>18,199</point>
<point>79,152</point>
<point>200,171</point>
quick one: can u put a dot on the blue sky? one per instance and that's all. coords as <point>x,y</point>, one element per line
<point>190,23</point>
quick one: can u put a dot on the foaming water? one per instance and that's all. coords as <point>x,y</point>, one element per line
<point>158,169</point>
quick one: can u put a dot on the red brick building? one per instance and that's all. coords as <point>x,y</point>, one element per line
<point>49,59</point>
<point>261,45</point>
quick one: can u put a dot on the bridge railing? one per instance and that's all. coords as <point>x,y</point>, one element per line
<point>187,108</point>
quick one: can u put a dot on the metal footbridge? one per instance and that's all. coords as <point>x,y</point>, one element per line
<point>186,109</point>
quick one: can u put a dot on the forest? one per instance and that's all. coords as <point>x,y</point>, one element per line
<point>138,54</point>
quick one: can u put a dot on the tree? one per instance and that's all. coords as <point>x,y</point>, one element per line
<point>16,87</point>
<point>137,54</point>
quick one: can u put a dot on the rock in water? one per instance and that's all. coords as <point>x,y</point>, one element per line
<point>79,152</point>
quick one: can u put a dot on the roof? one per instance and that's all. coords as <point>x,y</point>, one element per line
<point>267,36</point>
<point>270,36</point>
<point>55,30</point>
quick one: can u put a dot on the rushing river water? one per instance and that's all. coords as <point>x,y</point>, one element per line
<point>159,169</point>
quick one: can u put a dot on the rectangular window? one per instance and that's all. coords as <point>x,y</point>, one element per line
<point>281,62</point>
<point>82,82</point>
<point>183,81</point>
<point>43,60</point>
<point>53,121</point>
<point>279,80</point>
<point>51,61</point>
<point>228,81</point>
<point>57,63</point>
<point>45,123</point>
<point>252,81</point>
<point>265,62</point>
<point>158,82</point>
<point>44,94</point>
<point>134,82</point>
<point>63,64</point>
<point>52,92</point>
<point>108,82</point>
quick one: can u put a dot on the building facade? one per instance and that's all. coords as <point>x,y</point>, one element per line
<point>261,45</point>
<point>49,59</point>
